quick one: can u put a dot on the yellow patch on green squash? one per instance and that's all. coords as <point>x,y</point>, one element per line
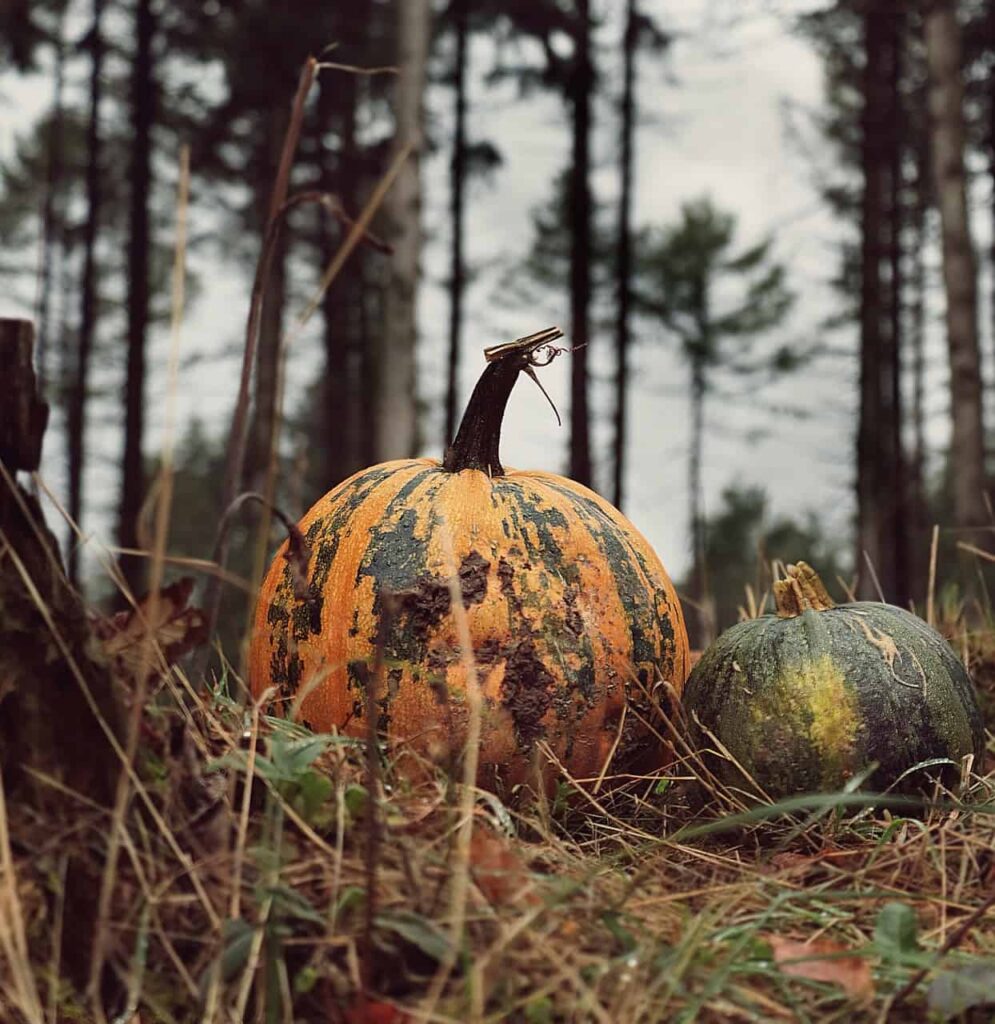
<point>835,717</point>
<point>812,699</point>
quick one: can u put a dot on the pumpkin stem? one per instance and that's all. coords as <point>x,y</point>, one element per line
<point>479,436</point>
<point>802,591</point>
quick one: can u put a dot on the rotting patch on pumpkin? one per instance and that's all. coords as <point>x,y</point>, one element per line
<point>527,690</point>
<point>473,578</point>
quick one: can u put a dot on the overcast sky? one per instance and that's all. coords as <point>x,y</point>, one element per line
<point>712,120</point>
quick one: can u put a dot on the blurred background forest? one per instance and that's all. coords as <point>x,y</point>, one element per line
<point>768,225</point>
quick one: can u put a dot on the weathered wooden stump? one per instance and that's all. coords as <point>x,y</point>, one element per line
<point>57,700</point>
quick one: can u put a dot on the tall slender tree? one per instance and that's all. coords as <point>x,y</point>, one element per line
<point>943,53</point>
<point>881,497</point>
<point>990,90</point>
<point>457,203</point>
<point>623,268</point>
<point>76,413</point>
<point>918,243</point>
<point>581,90</point>
<point>341,305</point>
<point>143,115</point>
<point>470,156</point>
<point>396,420</point>
<point>275,121</point>
<point>53,225</point>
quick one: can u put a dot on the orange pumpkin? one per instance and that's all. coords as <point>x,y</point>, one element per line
<point>573,619</point>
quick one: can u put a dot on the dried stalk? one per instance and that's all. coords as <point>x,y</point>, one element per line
<point>235,455</point>
<point>122,799</point>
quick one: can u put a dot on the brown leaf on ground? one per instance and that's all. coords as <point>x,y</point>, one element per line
<point>175,627</point>
<point>823,960</point>
<point>372,1011</point>
<point>805,863</point>
<point>500,871</point>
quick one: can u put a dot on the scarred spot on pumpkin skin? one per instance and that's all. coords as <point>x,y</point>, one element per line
<point>888,648</point>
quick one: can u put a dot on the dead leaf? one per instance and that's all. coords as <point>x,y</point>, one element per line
<point>373,1011</point>
<point>499,870</point>
<point>176,629</point>
<point>791,862</point>
<point>823,960</point>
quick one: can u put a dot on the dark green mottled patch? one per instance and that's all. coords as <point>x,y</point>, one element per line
<point>644,625</point>
<point>294,619</point>
<point>528,509</point>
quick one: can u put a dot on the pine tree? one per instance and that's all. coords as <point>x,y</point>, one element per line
<point>76,413</point>
<point>143,117</point>
<point>682,272</point>
<point>396,418</point>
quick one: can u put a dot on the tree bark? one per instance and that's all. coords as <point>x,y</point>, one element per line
<point>895,497</point>
<point>623,259</point>
<point>457,200</point>
<point>396,405</point>
<point>76,413</point>
<point>271,317</point>
<point>876,378</point>
<point>143,102</point>
<point>917,333</point>
<point>943,55</point>
<point>991,159</point>
<point>53,224</point>
<point>582,75</point>
<point>696,511</point>
<point>342,302</point>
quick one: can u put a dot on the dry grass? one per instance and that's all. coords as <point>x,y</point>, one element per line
<point>626,906</point>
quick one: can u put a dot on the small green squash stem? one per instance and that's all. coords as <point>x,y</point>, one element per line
<point>801,591</point>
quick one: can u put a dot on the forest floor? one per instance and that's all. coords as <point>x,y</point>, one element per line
<point>269,887</point>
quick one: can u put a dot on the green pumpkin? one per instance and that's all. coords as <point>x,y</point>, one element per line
<point>809,697</point>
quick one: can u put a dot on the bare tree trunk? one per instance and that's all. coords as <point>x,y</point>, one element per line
<point>917,331</point>
<point>457,182</point>
<point>143,99</point>
<point>875,377</point>
<point>342,302</point>
<point>580,249</point>
<point>76,425</point>
<point>623,263</point>
<point>946,99</point>
<point>696,510</point>
<point>991,157</point>
<point>396,407</point>
<point>271,317</point>
<point>53,224</point>
<point>895,498</point>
